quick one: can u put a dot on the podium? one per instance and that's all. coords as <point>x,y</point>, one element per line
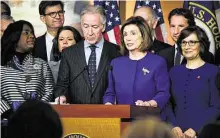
<point>94,121</point>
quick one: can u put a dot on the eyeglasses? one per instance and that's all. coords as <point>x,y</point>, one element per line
<point>54,14</point>
<point>4,13</point>
<point>190,43</point>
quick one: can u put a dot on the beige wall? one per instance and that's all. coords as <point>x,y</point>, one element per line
<point>127,8</point>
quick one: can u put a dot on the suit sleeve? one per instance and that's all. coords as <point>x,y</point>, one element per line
<point>161,79</point>
<point>4,106</point>
<point>109,95</point>
<point>213,111</point>
<point>48,77</point>
<point>168,113</point>
<point>60,88</point>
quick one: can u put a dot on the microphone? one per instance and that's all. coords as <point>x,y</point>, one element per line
<point>110,68</point>
<point>85,68</point>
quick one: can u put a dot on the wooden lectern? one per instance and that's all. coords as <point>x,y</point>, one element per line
<point>125,113</point>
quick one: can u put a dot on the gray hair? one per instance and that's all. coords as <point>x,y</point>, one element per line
<point>154,14</point>
<point>94,9</point>
<point>6,17</point>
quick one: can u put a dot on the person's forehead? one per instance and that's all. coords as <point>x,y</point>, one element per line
<point>91,17</point>
<point>53,8</point>
<point>131,27</point>
<point>178,19</point>
<point>26,27</point>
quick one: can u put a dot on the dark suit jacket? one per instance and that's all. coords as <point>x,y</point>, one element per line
<point>217,57</point>
<point>158,46</point>
<point>169,53</point>
<point>72,63</point>
<point>40,49</point>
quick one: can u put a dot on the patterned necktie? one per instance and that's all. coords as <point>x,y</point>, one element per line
<point>177,58</point>
<point>92,65</point>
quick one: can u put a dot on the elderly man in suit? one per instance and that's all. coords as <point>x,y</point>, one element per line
<point>52,15</point>
<point>150,16</point>
<point>179,19</point>
<point>83,73</point>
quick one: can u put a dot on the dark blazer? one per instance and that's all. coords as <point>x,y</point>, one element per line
<point>73,63</point>
<point>217,57</point>
<point>196,99</point>
<point>40,49</point>
<point>169,53</point>
<point>158,46</point>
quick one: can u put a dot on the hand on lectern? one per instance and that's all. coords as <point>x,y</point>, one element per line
<point>139,103</point>
<point>108,103</point>
<point>60,100</point>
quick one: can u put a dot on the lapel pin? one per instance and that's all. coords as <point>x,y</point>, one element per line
<point>198,77</point>
<point>36,66</point>
<point>145,70</point>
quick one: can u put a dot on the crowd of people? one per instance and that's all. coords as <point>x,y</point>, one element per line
<point>182,80</point>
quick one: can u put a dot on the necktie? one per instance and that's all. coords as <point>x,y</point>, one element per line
<point>92,65</point>
<point>51,55</point>
<point>177,58</point>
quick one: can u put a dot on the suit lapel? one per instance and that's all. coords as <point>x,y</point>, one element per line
<point>173,55</point>
<point>82,61</point>
<point>102,64</point>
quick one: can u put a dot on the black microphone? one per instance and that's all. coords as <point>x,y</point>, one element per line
<point>85,68</point>
<point>110,68</point>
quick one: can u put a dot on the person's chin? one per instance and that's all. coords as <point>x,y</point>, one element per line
<point>57,25</point>
<point>92,42</point>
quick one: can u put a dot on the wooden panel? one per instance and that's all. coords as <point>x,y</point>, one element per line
<point>95,111</point>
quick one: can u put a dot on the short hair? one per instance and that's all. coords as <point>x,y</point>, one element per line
<point>35,119</point>
<point>55,48</point>
<point>6,8</point>
<point>202,38</point>
<point>7,17</point>
<point>44,4</point>
<point>10,39</point>
<point>94,9</point>
<point>145,33</point>
<point>210,130</point>
<point>186,13</point>
<point>150,127</point>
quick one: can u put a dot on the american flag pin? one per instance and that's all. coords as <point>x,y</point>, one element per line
<point>198,77</point>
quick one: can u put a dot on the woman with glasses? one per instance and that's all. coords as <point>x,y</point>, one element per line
<point>66,37</point>
<point>195,98</point>
<point>23,77</point>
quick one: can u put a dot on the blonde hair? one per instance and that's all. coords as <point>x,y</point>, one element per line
<point>151,127</point>
<point>145,33</point>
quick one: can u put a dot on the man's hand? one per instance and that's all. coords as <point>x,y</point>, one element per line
<point>108,103</point>
<point>61,100</point>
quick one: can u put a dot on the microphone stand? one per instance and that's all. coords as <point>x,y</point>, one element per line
<point>85,68</point>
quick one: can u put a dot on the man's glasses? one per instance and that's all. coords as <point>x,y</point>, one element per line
<point>54,14</point>
<point>5,13</point>
<point>190,43</point>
